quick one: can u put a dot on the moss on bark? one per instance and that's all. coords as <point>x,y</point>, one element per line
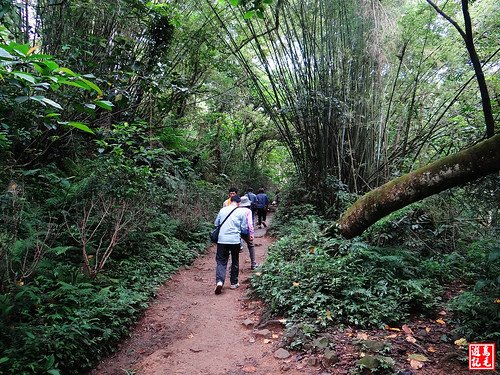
<point>454,170</point>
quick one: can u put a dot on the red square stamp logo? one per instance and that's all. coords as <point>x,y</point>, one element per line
<point>482,356</point>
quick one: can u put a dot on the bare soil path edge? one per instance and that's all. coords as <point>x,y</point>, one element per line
<point>188,329</point>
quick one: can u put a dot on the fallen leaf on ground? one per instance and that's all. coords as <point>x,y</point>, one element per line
<point>418,357</point>
<point>362,336</point>
<point>431,349</point>
<point>249,369</point>
<point>407,329</point>
<point>267,341</point>
<point>392,329</point>
<point>416,364</point>
<point>440,321</point>
<point>411,339</point>
<point>393,336</point>
<point>461,342</point>
<point>427,329</point>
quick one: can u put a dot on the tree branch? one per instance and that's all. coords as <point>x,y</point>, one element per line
<point>448,18</point>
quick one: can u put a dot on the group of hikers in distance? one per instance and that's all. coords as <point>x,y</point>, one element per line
<point>236,221</point>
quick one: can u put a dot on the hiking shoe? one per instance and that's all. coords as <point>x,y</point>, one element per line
<point>218,287</point>
<point>254,266</point>
<point>235,286</point>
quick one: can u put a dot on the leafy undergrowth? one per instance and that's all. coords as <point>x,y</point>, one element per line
<point>63,322</point>
<point>353,292</point>
<point>344,282</point>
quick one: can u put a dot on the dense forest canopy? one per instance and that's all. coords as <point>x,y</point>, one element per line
<point>123,123</point>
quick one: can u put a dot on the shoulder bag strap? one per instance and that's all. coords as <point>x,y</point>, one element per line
<point>220,225</point>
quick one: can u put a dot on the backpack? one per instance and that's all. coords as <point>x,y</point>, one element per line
<point>261,200</point>
<point>253,199</point>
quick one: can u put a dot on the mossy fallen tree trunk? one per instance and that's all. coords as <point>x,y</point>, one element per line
<point>454,170</point>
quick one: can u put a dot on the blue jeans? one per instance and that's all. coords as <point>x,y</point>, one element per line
<point>221,258</point>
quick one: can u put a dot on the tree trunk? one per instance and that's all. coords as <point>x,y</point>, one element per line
<point>454,170</point>
<point>468,38</point>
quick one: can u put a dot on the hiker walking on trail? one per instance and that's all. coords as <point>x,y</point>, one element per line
<point>232,192</point>
<point>262,205</point>
<point>253,199</point>
<point>248,234</point>
<point>234,223</point>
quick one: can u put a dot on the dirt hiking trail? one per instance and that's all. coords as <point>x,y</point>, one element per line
<point>190,330</point>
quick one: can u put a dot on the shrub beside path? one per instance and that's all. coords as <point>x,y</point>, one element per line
<point>189,330</point>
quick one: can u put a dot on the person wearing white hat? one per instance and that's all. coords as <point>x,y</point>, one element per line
<point>248,235</point>
<point>228,243</point>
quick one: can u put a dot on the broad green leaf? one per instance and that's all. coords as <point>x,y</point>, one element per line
<point>52,114</point>
<point>92,85</point>
<point>234,2</point>
<point>104,104</point>
<point>66,71</point>
<point>90,106</point>
<point>249,14</point>
<point>4,359</point>
<point>21,99</point>
<point>38,68</point>
<point>38,98</point>
<point>81,126</point>
<point>4,54</point>
<point>51,65</point>
<point>54,371</point>
<point>267,1</point>
<point>78,84</point>
<point>50,361</point>
<point>52,103</point>
<point>55,86</point>
<point>22,49</point>
<point>259,14</point>
<point>25,76</point>
<point>42,85</point>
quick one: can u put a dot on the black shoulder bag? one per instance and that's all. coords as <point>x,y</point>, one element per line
<point>214,234</point>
